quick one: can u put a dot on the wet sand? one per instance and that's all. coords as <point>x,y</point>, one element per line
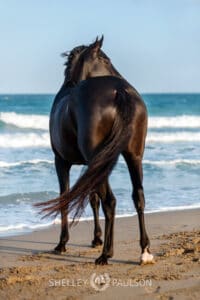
<point>29,270</point>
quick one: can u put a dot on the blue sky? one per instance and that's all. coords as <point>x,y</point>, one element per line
<point>154,44</point>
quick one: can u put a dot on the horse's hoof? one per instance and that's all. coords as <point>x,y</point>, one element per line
<point>96,242</point>
<point>101,260</point>
<point>59,249</point>
<point>147,258</point>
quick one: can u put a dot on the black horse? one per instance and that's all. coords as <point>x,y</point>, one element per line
<point>96,116</point>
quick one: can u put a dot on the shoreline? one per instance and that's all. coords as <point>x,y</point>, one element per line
<point>30,270</point>
<point>33,228</point>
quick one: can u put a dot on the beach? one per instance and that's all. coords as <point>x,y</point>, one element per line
<point>29,269</point>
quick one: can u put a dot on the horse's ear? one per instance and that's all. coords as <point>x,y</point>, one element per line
<point>101,41</point>
<point>96,46</point>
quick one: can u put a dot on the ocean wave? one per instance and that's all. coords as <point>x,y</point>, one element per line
<point>21,228</point>
<point>26,198</point>
<point>5,164</point>
<point>173,137</point>
<point>172,162</point>
<point>21,140</point>
<point>42,121</point>
<point>174,122</point>
<point>176,208</point>
<point>25,121</point>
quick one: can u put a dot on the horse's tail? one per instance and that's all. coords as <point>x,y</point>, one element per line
<point>100,165</point>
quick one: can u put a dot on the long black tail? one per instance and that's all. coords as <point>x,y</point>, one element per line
<point>101,164</point>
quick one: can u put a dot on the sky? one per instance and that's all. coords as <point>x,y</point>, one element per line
<point>155,45</point>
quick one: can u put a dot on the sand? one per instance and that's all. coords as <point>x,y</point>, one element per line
<point>29,270</point>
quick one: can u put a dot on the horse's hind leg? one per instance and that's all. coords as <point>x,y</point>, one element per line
<point>108,205</point>
<point>95,203</point>
<point>62,169</point>
<point>135,170</point>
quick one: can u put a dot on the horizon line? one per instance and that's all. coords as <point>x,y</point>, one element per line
<point>51,93</point>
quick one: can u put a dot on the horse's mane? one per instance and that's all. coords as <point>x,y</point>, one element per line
<point>73,53</point>
<point>70,56</point>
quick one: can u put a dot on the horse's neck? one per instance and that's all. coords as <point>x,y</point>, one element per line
<point>115,72</point>
<point>108,71</point>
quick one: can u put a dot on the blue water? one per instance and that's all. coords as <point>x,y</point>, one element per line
<point>27,175</point>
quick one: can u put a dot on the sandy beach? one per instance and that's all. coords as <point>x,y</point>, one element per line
<point>29,270</point>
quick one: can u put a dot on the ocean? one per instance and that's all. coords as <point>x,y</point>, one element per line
<point>27,175</point>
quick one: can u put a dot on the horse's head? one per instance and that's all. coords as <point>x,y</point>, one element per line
<point>88,61</point>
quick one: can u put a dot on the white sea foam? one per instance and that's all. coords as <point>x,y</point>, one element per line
<point>22,140</point>
<point>31,139</point>
<point>174,122</point>
<point>172,162</point>
<point>173,137</point>
<point>5,164</point>
<point>25,121</point>
<point>24,227</point>
<point>175,208</point>
<point>42,122</point>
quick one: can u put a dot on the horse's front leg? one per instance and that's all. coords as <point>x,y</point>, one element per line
<point>108,205</point>
<point>95,203</point>
<point>62,170</point>
<point>136,174</point>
